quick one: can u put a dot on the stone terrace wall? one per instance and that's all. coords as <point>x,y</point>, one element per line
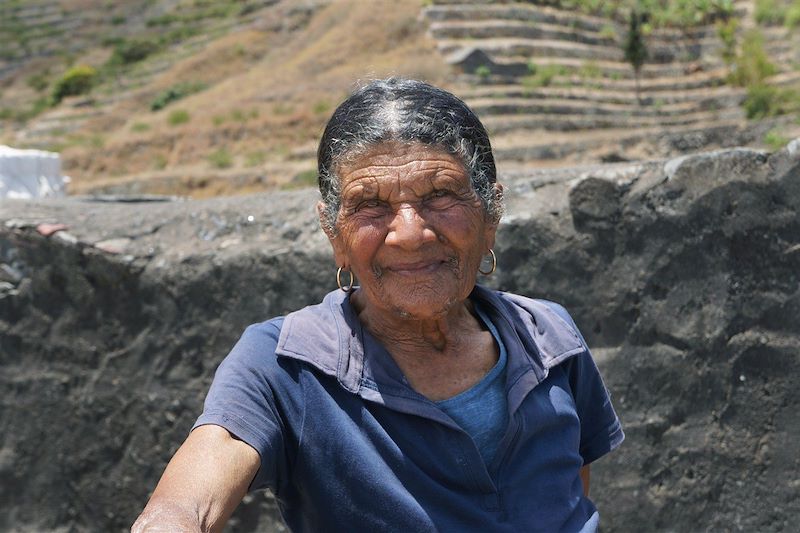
<point>586,108</point>
<point>683,276</point>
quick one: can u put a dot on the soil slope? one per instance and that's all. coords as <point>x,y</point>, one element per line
<point>230,96</point>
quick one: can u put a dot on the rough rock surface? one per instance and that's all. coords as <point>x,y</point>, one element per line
<point>682,274</point>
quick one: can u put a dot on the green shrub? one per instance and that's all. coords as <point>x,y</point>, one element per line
<point>180,33</point>
<point>792,19</point>
<point>39,81</point>
<point>544,76</point>
<point>77,80</point>
<point>634,47</point>
<point>133,51</point>
<point>608,32</point>
<point>24,114</point>
<point>220,158</point>
<point>175,93</point>
<point>163,20</point>
<point>237,115</point>
<point>40,105</point>
<point>306,178</point>
<point>788,101</point>
<point>140,127</point>
<point>254,159</point>
<point>661,13</point>
<point>774,140</point>
<point>770,12</point>
<point>764,101</point>
<point>110,41</point>
<point>177,117</point>
<point>758,102</point>
<point>281,108</point>
<point>95,140</point>
<point>752,65</point>
<point>726,31</point>
<point>247,9</point>
<point>159,162</point>
<point>321,107</point>
<point>483,72</point>
<point>590,69</point>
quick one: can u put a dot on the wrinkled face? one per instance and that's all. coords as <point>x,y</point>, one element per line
<point>411,229</point>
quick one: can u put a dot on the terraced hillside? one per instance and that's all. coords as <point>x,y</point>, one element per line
<point>209,97</point>
<point>553,85</point>
<point>34,33</point>
<point>230,96</point>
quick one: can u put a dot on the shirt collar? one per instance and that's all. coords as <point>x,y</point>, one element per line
<point>329,336</point>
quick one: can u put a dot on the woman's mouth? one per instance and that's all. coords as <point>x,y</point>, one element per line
<point>414,268</point>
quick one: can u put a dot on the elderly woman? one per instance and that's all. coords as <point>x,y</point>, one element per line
<point>415,400</point>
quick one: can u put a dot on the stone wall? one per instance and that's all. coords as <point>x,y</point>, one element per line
<point>683,276</point>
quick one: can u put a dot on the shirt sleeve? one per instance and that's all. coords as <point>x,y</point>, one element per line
<point>242,400</point>
<point>601,430</point>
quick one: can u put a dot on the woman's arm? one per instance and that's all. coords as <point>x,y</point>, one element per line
<point>585,476</point>
<point>204,482</point>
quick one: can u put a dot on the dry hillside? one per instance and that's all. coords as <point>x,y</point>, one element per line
<point>204,97</point>
<point>265,83</point>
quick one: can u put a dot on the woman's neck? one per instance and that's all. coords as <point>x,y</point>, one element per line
<point>440,356</point>
<point>417,334</point>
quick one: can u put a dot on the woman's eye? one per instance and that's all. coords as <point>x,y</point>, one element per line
<point>439,196</point>
<point>369,204</point>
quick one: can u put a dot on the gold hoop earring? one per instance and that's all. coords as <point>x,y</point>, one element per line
<point>494,265</point>
<point>349,286</point>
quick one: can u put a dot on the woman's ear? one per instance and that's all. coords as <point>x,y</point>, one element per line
<point>323,220</point>
<point>333,237</point>
<point>494,218</point>
<point>491,231</point>
<point>498,198</point>
<point>497,192</point>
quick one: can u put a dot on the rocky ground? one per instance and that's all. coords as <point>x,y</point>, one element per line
<point>683,275</point>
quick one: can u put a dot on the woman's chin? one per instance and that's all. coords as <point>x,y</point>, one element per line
<point>427,296</point>
<point>421,304</point>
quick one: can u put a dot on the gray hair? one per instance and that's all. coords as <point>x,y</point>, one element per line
<point>407,111</point>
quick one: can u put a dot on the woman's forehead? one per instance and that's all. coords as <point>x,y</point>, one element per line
<point>404,162</point>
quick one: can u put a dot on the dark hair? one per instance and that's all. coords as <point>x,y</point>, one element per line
<point>410,111</point>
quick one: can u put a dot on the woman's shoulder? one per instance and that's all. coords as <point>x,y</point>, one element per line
<point>311,335</point>
<point>261,334</point>
<point>312,321</point>
<point>256,347</point>
<point>540,310</point>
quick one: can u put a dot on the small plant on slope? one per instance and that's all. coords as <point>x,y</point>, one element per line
<point>77,80</point>
<point>635,48</point>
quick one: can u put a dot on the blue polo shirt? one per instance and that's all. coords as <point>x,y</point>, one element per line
<point>347,445</point>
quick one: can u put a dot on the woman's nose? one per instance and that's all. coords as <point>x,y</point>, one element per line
<point>408,229</point>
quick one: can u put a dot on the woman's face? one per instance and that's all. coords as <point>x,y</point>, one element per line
<point>411,229</point>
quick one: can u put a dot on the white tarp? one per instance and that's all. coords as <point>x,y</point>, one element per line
<point>30,174</point>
